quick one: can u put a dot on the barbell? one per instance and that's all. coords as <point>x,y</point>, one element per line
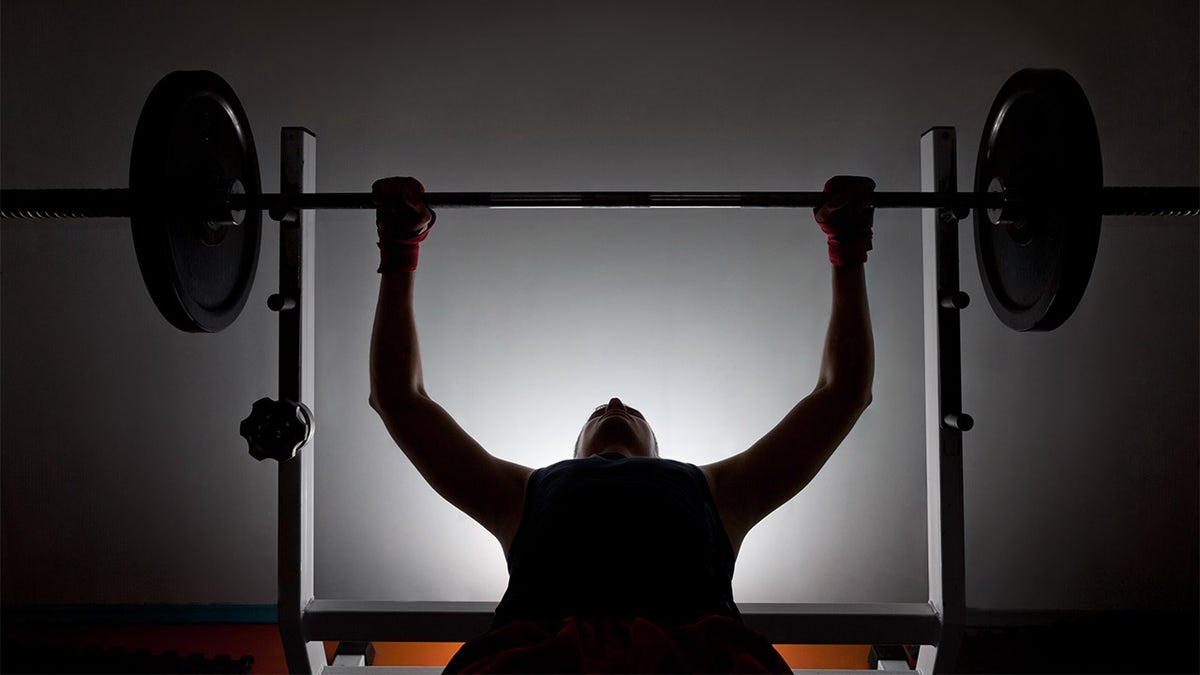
<point>118,202</point>
<point>195,201</point>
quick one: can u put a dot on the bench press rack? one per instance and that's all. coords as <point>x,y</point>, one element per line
<point>937,625</point>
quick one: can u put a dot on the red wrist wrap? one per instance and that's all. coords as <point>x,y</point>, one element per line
<point>848,243</point>
<point>846,218</point>
<point>399,254</point>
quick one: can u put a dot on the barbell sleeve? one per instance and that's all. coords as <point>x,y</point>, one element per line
<point>1150,201</point>
<point>66,203</point>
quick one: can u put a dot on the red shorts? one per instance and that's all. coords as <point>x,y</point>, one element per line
<point>715,644</point>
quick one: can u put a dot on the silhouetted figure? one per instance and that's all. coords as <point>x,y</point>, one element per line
<point>620,560</point>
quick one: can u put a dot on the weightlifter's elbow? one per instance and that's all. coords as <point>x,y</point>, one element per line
<point>391,403</point>
<point>852,397</point>
<point>858,402</point>
<point>862,399</point>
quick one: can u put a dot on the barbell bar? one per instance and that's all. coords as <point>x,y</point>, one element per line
<point>195,201</point>
<point>121,202</point>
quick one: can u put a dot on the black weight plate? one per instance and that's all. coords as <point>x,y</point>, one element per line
<point>1040,139</point>
<point>192,131</point>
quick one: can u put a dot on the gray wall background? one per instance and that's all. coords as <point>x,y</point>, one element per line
<point>124,479</point>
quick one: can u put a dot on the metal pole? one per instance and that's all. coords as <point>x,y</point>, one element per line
<point>944,419</point>
<point>297,366</point>
<point>119,203</point>
<point>528,200</point>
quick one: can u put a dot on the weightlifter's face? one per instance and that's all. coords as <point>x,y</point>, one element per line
<point>615,427</point>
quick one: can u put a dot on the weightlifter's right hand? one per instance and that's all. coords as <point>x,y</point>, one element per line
<point>402,221</point>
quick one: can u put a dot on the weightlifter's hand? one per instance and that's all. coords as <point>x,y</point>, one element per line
<point>846,217</point>
<point>402,220</point>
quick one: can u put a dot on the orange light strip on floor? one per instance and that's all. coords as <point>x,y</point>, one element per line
<point>433,654</point>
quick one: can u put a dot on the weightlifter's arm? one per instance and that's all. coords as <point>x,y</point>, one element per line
<point>751,485</point>
<point>488,489</point>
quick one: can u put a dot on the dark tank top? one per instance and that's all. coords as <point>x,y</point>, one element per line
<point>611,536</point>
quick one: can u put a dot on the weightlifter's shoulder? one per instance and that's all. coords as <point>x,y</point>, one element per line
<point>488,489</point>
<point>506,493</point>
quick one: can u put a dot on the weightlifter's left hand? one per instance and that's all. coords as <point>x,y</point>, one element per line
<point>402,221</point>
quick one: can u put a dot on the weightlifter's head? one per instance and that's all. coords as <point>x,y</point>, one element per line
<point>615,427</point>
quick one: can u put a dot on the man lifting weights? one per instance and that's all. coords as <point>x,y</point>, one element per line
<point>620,560</point>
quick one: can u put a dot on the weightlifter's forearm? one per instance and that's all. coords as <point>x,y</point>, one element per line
<point>848,364</point>
<point>395,354</point>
